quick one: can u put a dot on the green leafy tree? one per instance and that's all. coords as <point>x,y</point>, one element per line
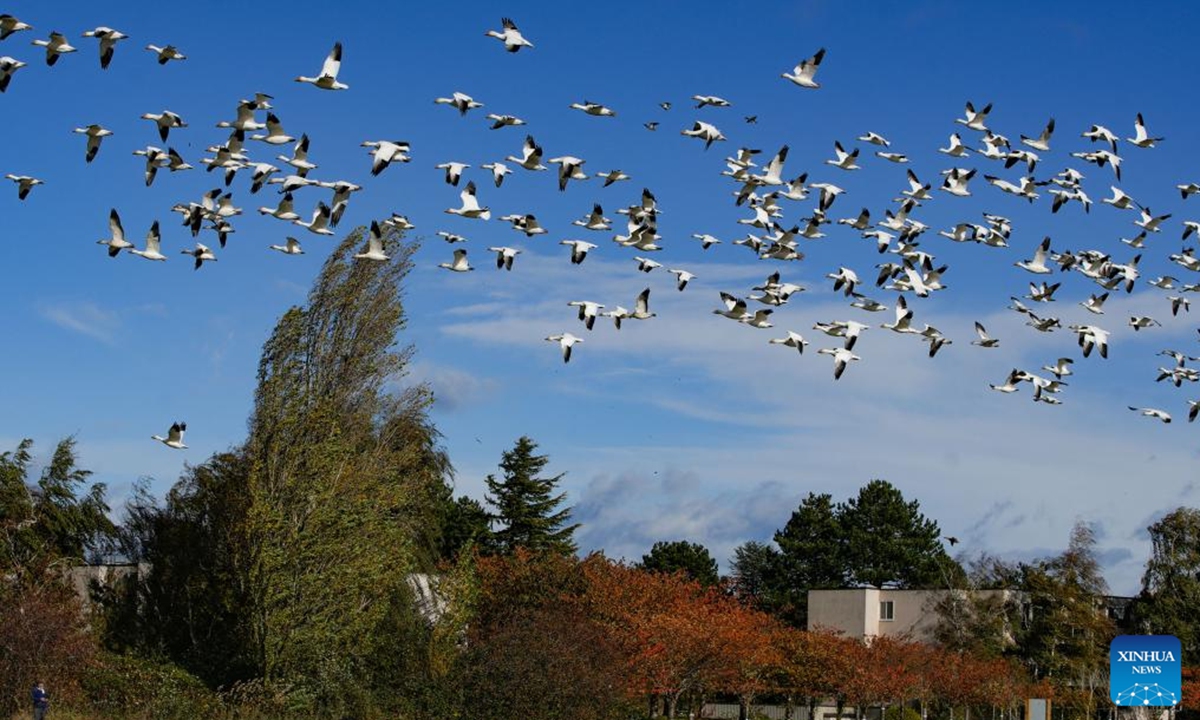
<point>811,556</point>
<point>62,516</point>
<point>466,523</point>
<point>887,541</point>
<point>526,507</point>
<point>344,484</point>
<point>1067,638</point>
<point>754,567</point>
<point>1171,584</point>
<point>693,559</point>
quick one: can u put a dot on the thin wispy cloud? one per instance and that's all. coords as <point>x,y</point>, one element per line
<point>84,318</point>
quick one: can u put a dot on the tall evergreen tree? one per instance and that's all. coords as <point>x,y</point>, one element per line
<point>811,556</point>
<point>692,558</point>
<point>526,506</point>
<point>754,572</point>
<point>466,522</point>
<point>1171,585</point>
<point>889,542</point>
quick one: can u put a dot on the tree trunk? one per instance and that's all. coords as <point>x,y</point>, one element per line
<point>672,700</point>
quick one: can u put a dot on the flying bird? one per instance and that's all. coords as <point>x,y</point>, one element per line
<point>805,73</point>
<point>174,438</point>
<point>327,80</point>
<point>511,37</point>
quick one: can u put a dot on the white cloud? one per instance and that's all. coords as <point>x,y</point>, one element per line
<point>83,317</point>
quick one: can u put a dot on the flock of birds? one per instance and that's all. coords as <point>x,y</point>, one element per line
<point>761,189</point>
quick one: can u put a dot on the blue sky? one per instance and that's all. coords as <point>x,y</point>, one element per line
<point>688,426</point>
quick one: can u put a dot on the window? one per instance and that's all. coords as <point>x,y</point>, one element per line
<point>887,610</point>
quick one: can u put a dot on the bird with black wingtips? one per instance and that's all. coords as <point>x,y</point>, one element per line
<point>8,67</point>
<point>511,37</point>
<point>24,183</point>
<point>174,438</point>
<point>805,72</point>
<point>166,54</point>
<point>116,241</point>
<point>56,45</point>
<point>108,42</point>
<point>327,80</point>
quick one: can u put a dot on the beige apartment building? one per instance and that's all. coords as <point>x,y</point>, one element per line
<point>870,612</point>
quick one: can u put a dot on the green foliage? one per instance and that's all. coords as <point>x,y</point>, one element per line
<point>693,559</point>
<point>1171,583</point>
<point>526,506</point>
<point>49,520</point>
<point>811,556</point>
<point>1067,637</point>
<point>128,686</point>
<point>888,541</point>
<point>345,479</point>
<point>901,712</point>
<point>754,569</point>
<point>466,524</point>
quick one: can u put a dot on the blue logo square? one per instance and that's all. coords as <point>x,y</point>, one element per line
<point>1145,670</point>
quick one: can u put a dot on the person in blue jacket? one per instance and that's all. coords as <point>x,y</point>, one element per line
<point>41,701</point>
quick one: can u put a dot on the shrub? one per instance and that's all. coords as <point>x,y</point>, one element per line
<point>131,687</point>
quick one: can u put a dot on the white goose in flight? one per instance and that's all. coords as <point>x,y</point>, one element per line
<point>511,37</point>
<point>588,311</point>
<point>1153,413</point>
<point>386,152</point>
<point>291,248</point>
<point>327,80</point>
<point>95,133</point>
<point>595,109</point>
<point>1038,264</point>
<point>8,66</point>
<point>641,307</point>
<point>569,168</point>
<point>1042,142</point>
<point>166,54</point>
<point>470,205</point>
<point>116,241</point>
<point>594,220</point>
<point>174,438</point>
<point>682,277</point>
<point>460,102</point>
<point>579,250</point>
<point>1141,138</point>
<point>499,121</point>
<point>165,120</point>
<point>320,220</point>
<point>153,249</point>
<point>531,155</point>
<point>841,358</point>
<point>55,46</point>
<point>566,341</point>
<point>793,339</point>
<point>705,131</point>
<point>201,253</point>
<point>275,134</point>
<point>374,246</point>
<point>1090,337</point>
<point>499,171</point>
<point>10,25</point>
<point>504,256</point>
<point>975,119</point>
<point>108,42</point>
<point>284,211</point>
<point>24,183</point>
<point>848,329</point>
<point>459,263</point>
<point>985,340</point>
<point>804,74</point>
<point>453,170</point>
<point>844,160</point>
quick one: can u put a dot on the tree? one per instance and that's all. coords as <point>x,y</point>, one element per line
<point>1171,583</point>
<point>889,542</point>
<point>50,519</point>
<point>526,507</point>
<point>1068,635</point>
<point>754,572</point>
<point>466,523</point>
<point>811,556</point>
<point>692,559</point>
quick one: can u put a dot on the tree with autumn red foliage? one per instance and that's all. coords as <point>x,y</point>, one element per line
<point>1191,691</point>
<point>749,661</point>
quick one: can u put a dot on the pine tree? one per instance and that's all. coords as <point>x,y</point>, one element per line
<point>526,506</point>
<point>692,558</point>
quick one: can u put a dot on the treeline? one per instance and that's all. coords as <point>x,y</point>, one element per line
<point>279,575</point>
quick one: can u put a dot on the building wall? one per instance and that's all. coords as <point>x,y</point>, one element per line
<point>856,611</point>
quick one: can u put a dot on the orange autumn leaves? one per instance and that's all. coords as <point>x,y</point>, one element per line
<point>675,640</point>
